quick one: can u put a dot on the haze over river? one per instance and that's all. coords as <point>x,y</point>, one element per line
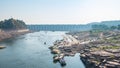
<point>29,51</point>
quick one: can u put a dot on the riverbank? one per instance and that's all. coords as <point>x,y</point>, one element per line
<point>97,49</point>
<point>6,34</point>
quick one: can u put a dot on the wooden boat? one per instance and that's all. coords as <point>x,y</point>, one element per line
<point>45,43</point>
<point>1,47</point>
<point>62,62</point>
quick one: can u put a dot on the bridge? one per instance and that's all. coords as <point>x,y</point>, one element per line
<point>59,27</point>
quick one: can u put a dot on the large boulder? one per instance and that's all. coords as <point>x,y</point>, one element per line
<point>56,51</point>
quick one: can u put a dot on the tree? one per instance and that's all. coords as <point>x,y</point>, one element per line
<point>12,24</point>
<point>113,27</point>
<point>118,27</point>
<point>100,27</point>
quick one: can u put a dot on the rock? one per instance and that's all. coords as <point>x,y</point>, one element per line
<point>67,49</point>
<point>82,55</point>
<point>51,47</point>
<point>1,47</point>
<point>55,51</point>
<point>61,56</point>
<point>58,57</point>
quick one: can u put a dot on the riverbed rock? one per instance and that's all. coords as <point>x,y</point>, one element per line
<point>55,51</point>
<point>58,57</point>
<point>67,49</point>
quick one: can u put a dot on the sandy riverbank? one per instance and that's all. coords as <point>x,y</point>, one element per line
<point>5,34</point>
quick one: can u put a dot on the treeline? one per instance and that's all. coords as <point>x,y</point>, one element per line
<point>105,27</point>
<point>12,24</point>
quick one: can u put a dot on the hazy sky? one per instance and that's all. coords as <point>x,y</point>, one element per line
<point>60,11</point>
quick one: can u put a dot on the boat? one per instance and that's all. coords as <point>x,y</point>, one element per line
<point>45,43</point>
<point>62,62</point>
<point>1,47</point>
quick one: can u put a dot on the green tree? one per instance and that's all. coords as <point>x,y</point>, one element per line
<point>12,24</point>
<point>118,27</point>
<point>113,27</point>
<point>100,27</point>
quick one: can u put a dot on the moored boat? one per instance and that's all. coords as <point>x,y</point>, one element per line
<point>62,62</point>
<point>1,47</point>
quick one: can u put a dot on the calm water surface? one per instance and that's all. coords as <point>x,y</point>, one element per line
<point>29,51</point>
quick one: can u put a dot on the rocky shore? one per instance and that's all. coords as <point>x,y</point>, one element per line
<point>63,48</point>
<point>97,49</point>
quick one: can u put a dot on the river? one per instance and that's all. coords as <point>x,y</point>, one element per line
<point>29,51</point>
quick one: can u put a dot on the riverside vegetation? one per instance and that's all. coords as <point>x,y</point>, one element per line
<point>11,28</point>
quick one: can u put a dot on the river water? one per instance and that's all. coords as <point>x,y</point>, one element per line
<point>29,51</point>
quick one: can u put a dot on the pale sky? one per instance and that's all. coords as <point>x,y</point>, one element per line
<point>60,11</point>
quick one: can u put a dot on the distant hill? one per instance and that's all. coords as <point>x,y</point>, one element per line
<point>105,25</point>
<point>12,24</point>
<point>108,23</point>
